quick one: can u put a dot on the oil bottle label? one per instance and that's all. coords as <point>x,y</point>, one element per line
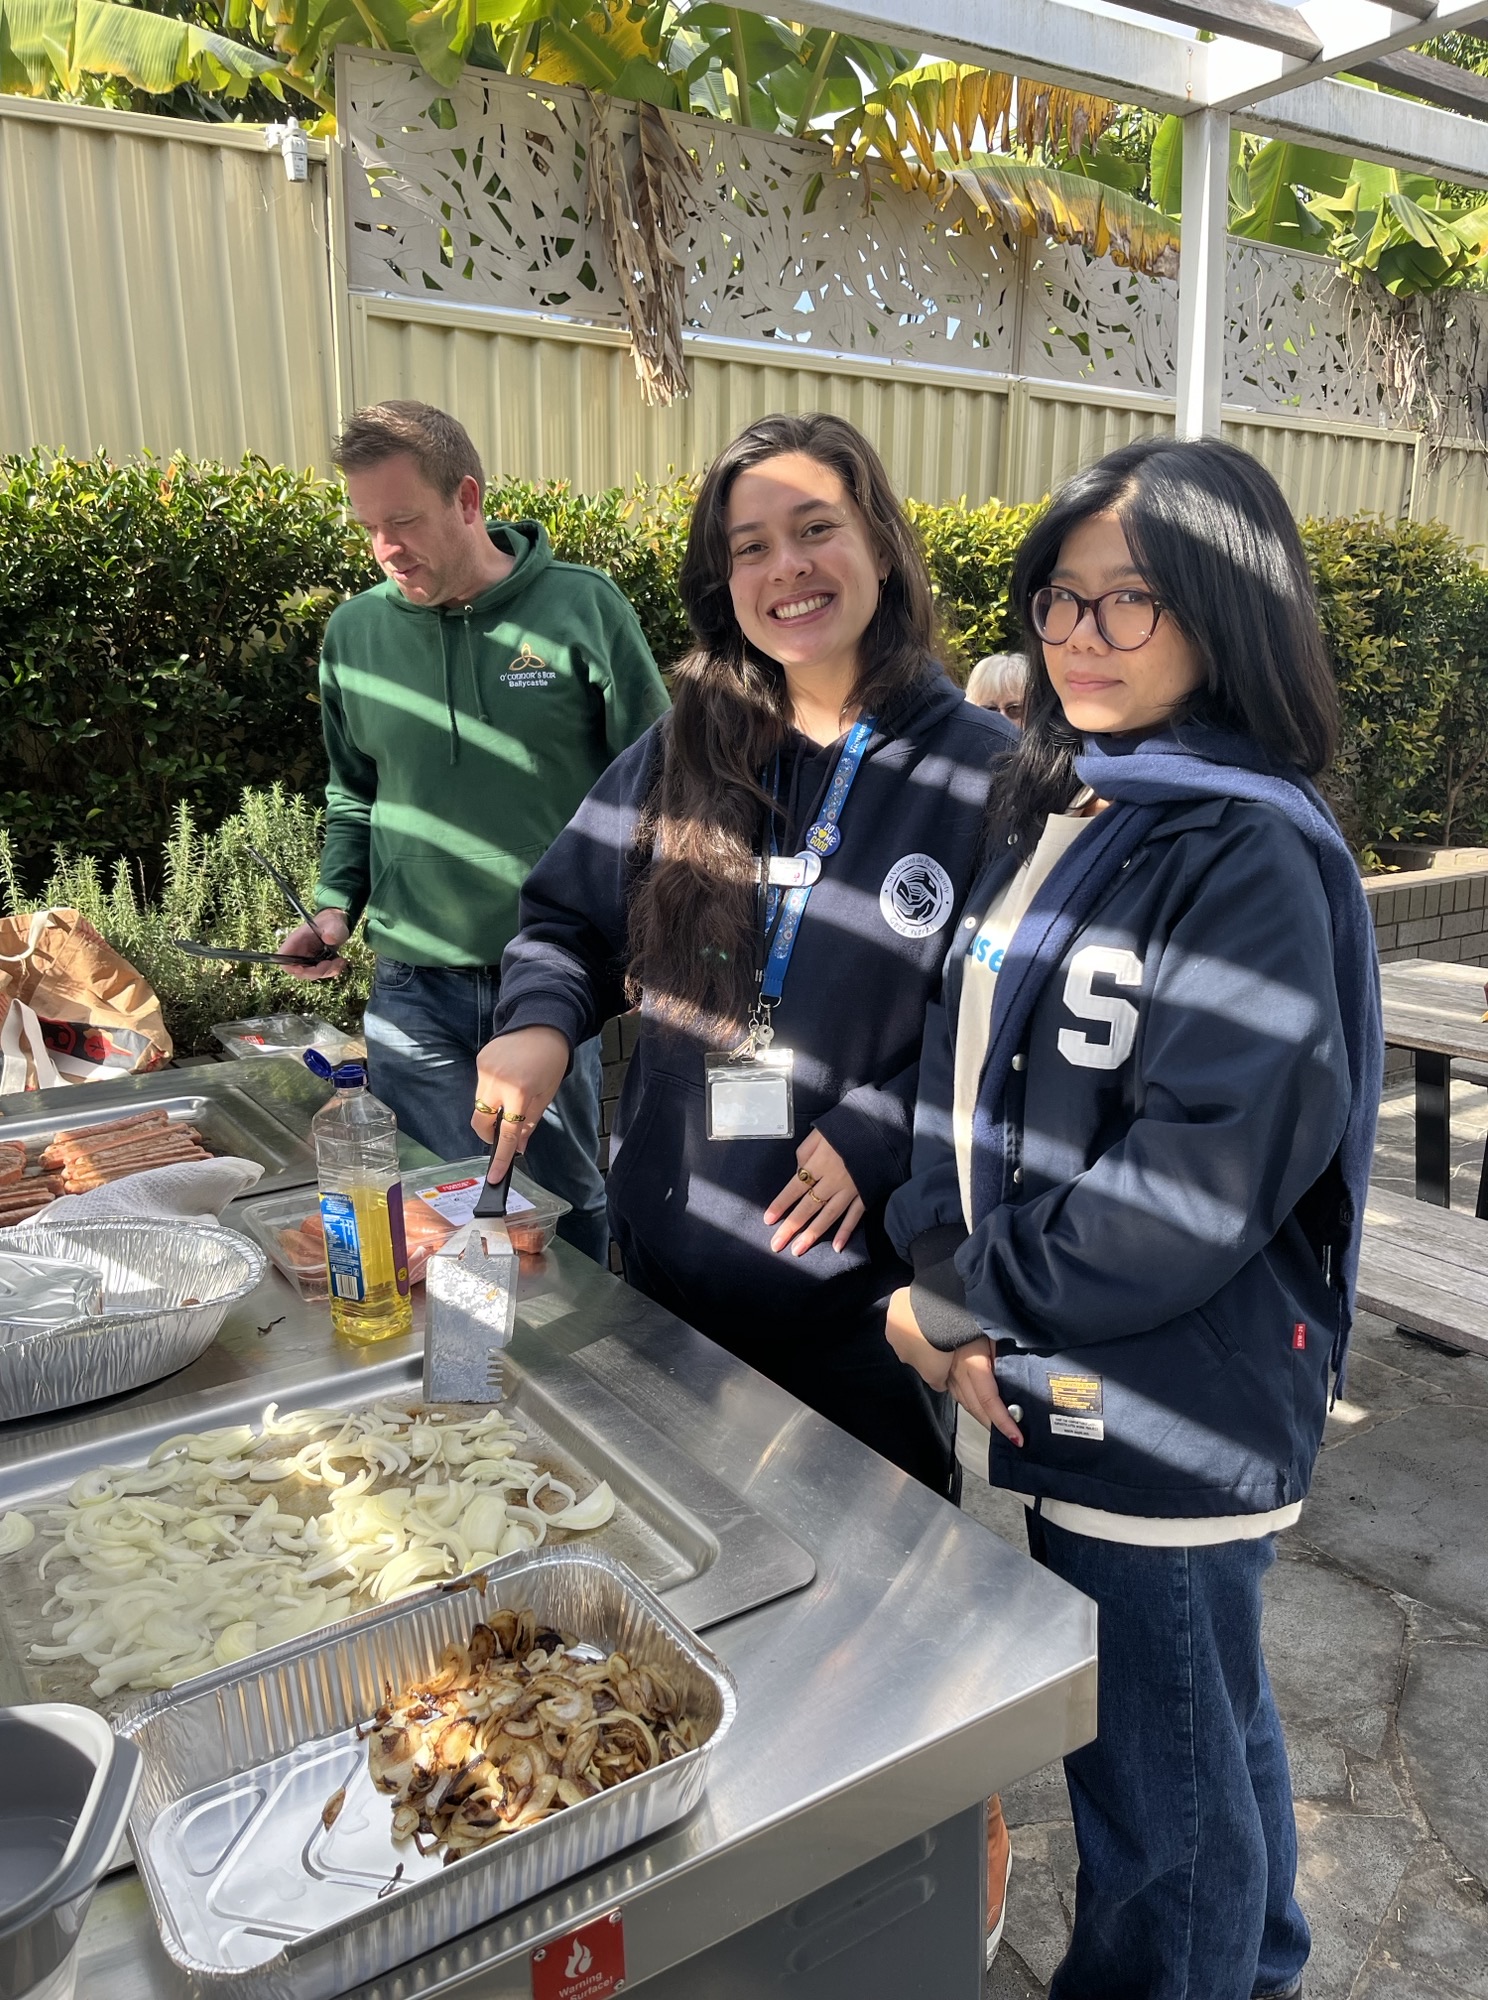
<point>400,1238</point>
<point>344,1248</point>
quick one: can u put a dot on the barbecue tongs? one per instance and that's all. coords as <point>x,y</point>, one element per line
<point>246,957</point>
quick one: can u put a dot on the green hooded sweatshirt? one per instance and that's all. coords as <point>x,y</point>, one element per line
<point>461,740</point>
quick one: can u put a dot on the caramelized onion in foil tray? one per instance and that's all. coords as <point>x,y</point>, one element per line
<point>519,1722</point>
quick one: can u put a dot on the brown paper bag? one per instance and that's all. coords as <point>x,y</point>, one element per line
<point>71,1009</point>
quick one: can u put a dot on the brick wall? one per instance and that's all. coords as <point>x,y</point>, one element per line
<point>616,1044</point>
<point>1430,915</point>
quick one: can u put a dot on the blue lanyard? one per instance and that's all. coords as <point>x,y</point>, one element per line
<point>823,837</point>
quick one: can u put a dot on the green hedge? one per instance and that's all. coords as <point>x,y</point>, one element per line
<point>159,625</point>
<point>1405,609</point>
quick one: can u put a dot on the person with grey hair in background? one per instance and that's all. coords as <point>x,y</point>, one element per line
<point>1000,681</point>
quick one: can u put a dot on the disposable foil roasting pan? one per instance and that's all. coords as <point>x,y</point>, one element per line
<point>256,1899</point>
<point>167,1288</point>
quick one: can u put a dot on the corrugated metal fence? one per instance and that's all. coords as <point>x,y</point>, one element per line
<point>564,404</point>
<point>164,287</point>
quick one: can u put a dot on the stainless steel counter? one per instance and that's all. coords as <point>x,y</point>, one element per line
<point>926,1665</point>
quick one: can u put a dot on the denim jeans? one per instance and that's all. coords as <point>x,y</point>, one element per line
<point>425,1027</point>
<point>1183,1803</point>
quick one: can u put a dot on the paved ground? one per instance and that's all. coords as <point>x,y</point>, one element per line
<point>1377,1641</point>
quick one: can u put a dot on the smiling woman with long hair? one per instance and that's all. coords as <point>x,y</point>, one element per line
<point>1147,1114</point>
<point>771,876</point>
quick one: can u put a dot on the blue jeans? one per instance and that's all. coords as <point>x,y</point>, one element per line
<point>1183,1803</point>
<point>425,1027</point>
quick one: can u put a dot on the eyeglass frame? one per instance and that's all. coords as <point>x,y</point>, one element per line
<point>1094,604</point>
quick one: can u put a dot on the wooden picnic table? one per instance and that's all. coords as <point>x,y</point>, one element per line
<point>1436,1010</point>
<point>1428,1273</point>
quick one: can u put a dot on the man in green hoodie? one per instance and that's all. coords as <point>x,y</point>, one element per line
<point>469,702</point>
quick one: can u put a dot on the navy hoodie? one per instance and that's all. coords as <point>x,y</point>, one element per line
<point>686,1210</point>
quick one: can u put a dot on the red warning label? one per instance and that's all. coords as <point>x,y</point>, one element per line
<point>588,1964</point>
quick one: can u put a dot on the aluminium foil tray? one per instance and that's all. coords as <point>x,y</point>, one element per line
<point>256,1900</point>
<point>167,1287</point>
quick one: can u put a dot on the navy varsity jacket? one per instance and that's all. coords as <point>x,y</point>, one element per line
<point>1161,1263</point>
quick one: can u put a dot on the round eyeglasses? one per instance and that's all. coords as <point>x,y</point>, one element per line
<point>1125,619</point>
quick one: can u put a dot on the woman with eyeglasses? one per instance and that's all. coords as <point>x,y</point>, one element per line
<point>1147,1110</point>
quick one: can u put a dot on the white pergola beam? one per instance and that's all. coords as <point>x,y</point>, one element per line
<point>1059,44</point>
<point>1439,83</point>
<point>1235,74</point>
<point>1265,22</point>
<point>1202,271</point>
<point>1068,44</point>
<point>1369,125</point>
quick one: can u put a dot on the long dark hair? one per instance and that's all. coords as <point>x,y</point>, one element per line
<point>694,912</point>
<point>1212,535</point>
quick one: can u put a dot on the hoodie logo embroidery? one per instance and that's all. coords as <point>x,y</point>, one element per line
<point>916,896</point>
<point>528,670</point>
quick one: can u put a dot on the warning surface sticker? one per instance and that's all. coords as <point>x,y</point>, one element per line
<point>588,1964</point>
<point>456,1200</point>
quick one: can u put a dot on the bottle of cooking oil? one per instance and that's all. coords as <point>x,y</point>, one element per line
<point>361,1207</point>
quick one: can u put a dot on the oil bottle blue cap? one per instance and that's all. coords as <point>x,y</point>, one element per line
<point>345,1076</point>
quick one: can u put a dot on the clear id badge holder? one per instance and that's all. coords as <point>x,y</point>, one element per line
<point>748,1093</point>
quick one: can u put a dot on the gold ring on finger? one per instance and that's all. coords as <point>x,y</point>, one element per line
<point>512,1118</point>
<point>485,1110</point>
<point>810,1178</point>
<point>812,1195</point>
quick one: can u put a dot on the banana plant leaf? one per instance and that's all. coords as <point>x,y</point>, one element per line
<point>1398,229</point>
<point>46,42</point>
<point>1274,211</point>
<point>441,37</point>
<point>1412,249</point>
<point>592,50</point>
<point>1112,169</point>
<point>1025,198</point>
<point>1165,167</point>
<point>960,111</point>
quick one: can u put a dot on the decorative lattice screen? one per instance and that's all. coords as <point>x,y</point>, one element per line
<point>477,195</point>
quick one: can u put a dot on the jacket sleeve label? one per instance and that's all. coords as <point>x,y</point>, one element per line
<point>1077,1407</point>
<point>1077,1427</point>
<point>1080,1393</point>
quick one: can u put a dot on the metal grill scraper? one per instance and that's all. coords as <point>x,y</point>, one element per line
<point>471,1294</point>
